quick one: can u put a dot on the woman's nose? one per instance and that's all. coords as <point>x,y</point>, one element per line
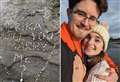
<point>91,42</point>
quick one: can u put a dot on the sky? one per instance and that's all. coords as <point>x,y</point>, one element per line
<point>112,16</point>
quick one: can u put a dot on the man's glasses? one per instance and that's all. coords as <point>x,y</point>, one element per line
<point>92,19</point>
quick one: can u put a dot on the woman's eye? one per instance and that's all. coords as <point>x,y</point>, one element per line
<point>88,37</point>
<point>97,40</point>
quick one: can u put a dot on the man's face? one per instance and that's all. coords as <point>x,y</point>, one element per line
<point>82,18</point>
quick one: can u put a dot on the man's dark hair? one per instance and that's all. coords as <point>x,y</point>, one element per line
<point>101,4</point>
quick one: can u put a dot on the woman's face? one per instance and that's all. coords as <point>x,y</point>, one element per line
<point>93,44</point>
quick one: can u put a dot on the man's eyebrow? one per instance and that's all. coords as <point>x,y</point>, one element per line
<point>79,10</point>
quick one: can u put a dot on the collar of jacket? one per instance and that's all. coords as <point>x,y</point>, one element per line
<point>110,61</point>
<point>71,42</point>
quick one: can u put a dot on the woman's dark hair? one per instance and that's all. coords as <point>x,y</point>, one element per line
<point>101,4</point>
<point>91,61</point>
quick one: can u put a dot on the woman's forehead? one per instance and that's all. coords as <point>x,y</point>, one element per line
<point>95,35</point>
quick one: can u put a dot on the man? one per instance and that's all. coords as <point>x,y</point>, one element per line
<point>82,16</point>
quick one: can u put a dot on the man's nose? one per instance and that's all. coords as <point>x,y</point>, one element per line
<point>85,22</point>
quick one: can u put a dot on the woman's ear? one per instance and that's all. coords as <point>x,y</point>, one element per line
<point>102,50</point>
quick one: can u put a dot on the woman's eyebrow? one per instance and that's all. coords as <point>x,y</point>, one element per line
<point>98,37</point>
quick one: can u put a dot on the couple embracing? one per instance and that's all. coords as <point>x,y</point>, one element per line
<point>84,43</point>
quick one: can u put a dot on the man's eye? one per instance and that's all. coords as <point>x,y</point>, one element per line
<point>82,13</point>
<point>93,18</point>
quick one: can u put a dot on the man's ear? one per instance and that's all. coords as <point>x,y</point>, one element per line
<point>69,13</point>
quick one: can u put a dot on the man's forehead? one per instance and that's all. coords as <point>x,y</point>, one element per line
<point>89,8</point>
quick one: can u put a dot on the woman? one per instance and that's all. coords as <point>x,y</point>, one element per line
<point>94,48</point>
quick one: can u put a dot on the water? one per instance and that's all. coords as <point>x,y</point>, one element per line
<point>114,51</point>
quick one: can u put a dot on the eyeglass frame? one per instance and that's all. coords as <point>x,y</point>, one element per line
<point>92,19</point>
